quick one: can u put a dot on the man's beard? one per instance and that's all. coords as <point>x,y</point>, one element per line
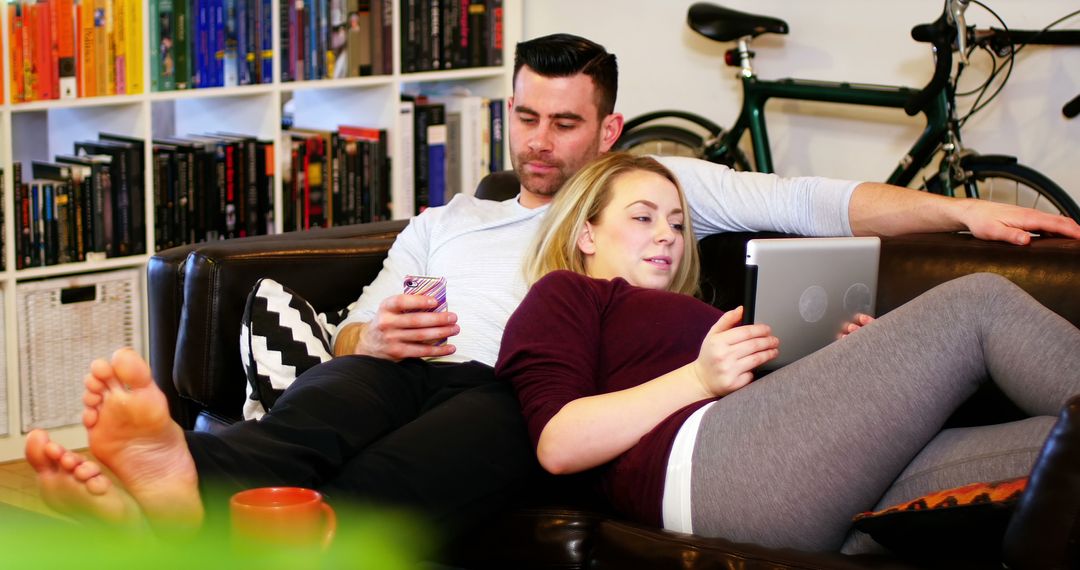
<point>542,186</point>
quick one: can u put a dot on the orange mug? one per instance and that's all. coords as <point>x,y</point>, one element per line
<point>291,516</point>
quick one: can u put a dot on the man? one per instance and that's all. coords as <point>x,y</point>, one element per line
<point>378,423</point>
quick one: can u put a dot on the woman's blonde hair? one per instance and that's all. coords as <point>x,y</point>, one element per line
<point>581,199</point>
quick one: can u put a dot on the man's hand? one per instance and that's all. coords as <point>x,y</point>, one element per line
<point>860,321</point>
<point>730,353</point>
<point>397,333</point>
<point>1003,222</point>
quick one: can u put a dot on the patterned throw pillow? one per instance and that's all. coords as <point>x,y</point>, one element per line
<point>281,336</point>
<point>967,522</point>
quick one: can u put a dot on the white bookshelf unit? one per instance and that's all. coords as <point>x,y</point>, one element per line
<point>41,129</point>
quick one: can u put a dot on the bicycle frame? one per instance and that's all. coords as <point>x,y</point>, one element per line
<point>757,92</point>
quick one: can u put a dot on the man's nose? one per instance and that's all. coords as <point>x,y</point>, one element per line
<point>540,139</point>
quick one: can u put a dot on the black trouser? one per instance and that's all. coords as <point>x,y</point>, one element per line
<point>443,438</point>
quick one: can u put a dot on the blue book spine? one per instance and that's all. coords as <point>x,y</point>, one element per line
<point>217,40</point>
<point>244,75</point>
<point>311,66</point>
<point>436,165</point>
<point>266,42</point>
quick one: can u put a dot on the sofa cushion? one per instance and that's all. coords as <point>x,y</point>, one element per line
<point>965,522</point>
<point>281,336</point>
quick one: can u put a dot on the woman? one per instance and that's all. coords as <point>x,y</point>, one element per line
<point>618,367</point>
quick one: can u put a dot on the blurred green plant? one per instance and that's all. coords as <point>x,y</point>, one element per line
<point>366,539</point>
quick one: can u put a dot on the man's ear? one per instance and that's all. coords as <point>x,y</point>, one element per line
<point>610,129</point>
<point>510,103</point>
<point>585,241</point>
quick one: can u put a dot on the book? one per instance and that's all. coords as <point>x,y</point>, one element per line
<point>135,58</point>
<point>64,222</point>
<point>166,59</point>
<point>137,186</point>
<point>65,46</point>
<point>407,146</point>
<point>97,202</point>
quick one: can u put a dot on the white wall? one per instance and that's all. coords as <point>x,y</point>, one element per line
<point>664,64</point>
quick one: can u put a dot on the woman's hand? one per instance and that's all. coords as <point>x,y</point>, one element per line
<point>860,321</point>
<point>730,353</point>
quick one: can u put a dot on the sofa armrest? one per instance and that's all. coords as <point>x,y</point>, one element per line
<point>205,286</point>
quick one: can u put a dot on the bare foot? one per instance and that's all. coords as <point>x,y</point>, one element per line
<point>130,432</point>
<point>76,487</point>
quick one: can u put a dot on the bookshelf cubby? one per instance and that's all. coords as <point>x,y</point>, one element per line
<point>39,130</point>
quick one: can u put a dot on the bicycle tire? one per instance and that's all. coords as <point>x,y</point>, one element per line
<point>662,140</point>
<point>1016,184</point>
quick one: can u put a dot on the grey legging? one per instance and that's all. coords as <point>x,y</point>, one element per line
<point>789,459</point>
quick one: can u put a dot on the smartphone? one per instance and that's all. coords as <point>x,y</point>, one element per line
<point>430,286</point>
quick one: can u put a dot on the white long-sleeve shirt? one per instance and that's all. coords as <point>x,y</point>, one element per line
<point>479,245</point>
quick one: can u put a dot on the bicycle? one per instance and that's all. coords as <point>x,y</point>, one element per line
<point>959,169</point>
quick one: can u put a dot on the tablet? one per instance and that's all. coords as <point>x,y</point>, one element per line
<point>807,289</point>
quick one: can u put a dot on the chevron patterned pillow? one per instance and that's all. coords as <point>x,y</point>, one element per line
<point>281,336</point>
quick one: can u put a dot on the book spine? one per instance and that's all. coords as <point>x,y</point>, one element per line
<point>266,41</point>
<point>15,42</point>
<point>287,39</point>
<point>182,43</point>
<point>65,45</point>
<point>106,54</point>
<point>494,41</point>
<point>406,120</point>
<point>165,52</point>
<point>118,41</point>
<point>63,222</point>
<point>135,49</point>
<point>497,135</point>
<point>43,52</point>
<point>436,144</point>
<point>155,44</point>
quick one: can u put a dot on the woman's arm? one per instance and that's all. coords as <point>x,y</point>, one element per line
<point>593,430</point>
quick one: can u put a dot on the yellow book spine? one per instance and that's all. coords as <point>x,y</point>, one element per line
<point>87,50</point>
<point>135,59</point>
<point>118,37</point>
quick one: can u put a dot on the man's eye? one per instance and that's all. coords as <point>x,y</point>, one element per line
<point>565,126</point>
<point>527,120</point>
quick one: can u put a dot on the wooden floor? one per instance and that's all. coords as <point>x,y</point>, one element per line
<point>18,487</point>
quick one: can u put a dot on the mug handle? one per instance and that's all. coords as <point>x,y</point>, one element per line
<point>331,525</point>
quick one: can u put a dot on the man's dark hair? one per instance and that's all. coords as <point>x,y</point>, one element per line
<point>564,55</point>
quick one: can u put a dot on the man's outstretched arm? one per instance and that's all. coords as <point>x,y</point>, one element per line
<point>882,209</point>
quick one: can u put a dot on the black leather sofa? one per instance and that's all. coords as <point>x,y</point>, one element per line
<point>197,294</point>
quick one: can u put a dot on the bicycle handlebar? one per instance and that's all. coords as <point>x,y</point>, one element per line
<point>1072,108</point>
<point>940,34</point>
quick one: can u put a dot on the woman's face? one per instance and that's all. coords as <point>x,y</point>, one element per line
<point>638,235</point>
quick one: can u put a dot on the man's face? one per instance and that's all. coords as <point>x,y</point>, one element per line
<point>555,129</point>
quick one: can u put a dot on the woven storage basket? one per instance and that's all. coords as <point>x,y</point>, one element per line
<point>63,325</point>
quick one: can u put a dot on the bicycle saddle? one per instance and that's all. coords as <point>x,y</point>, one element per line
<point>724,25</point>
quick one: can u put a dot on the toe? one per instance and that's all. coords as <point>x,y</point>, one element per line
<point>92,399</point>
<point>86,471</point>
<point>131,369</point>
<point>102,370</point>
<point>98,484</point>
<point>35,450</point>
<point>89,417</point>
<point>70,460</point>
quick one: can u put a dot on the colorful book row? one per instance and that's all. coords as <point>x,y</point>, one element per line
<point>62,49</point>
<point>452,141</point>
<point>210,43</point>
<point>210,187</point>
<point>334,178</point>
<point>451,34</point>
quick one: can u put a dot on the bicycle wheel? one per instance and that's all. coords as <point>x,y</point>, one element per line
<point>662,140</point>
<point>1012,183</point>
